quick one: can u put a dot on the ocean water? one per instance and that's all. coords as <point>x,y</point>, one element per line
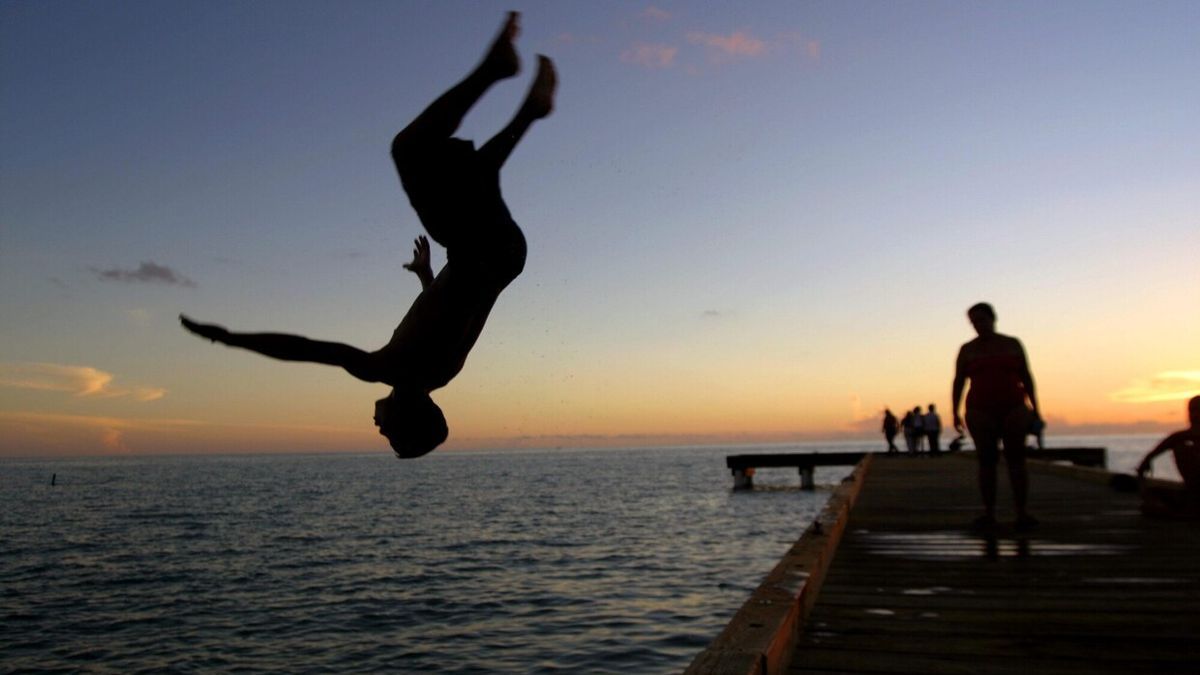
<point>599,561</point>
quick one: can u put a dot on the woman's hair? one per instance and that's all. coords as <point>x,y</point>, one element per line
<point>982,308</point>
<point>415,425</point>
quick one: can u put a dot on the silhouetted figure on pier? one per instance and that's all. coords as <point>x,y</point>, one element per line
<point>933,431</point>
<point>891,426</point>
<point>914,433</point>
<point>1176,502</point>
<point>906,427</point>
<point>455,190</point>
<point>996,410</point>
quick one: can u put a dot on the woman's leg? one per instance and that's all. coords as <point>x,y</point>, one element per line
<point>444,115</point>
<point>985,433</point>
<point>1016,428</point>
<point>287,347</point>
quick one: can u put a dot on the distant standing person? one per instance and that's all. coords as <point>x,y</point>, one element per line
<point>891,426</point>
<point>996,408</point>
<point>1183,502</point>
<point>906,425</point>
<point>933,430</point>
<point>918,429</point>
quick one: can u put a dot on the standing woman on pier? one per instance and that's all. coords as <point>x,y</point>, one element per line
<point>996,410</point>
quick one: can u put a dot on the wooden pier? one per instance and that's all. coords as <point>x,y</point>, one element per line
<point>893,580</point>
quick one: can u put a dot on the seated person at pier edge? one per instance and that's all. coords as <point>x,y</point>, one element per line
<point>455,190</point>
<point>1001,382</point>
<point>1176,502</point>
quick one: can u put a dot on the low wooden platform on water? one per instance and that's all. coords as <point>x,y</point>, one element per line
<point>743,466</point>
<point>893,580</point>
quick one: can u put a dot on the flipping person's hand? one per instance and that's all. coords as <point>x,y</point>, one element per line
<point>420,262</point>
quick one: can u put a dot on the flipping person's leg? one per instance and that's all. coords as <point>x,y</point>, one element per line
<point>287,347</point>
<point>445,114</point>
<point>539,103</point>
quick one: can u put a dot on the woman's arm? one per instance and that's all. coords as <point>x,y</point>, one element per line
<point>960,381</point>
<point>1027,379</point>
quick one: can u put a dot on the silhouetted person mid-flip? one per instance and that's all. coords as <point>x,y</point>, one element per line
<point>455,190</point>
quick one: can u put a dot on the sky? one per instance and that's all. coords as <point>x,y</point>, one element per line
<point>747,221</point>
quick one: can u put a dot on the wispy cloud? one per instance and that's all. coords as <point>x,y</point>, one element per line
<point>798,44</point>
<point>856,409</point>
<point>1171,385</point>
<point>139,316</point>
<point>650,55</point>
<point>55,433</point>
<point>77,380</point>
<point>148,272</point>
<point>1062,426</point>
<point>113,440</point>
<point>567,38</point>
<point>694,48</point>
<point>655,13</point>
<point>30,433</point>
<point>739,44</point>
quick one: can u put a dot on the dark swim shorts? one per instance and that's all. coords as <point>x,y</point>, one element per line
<point>456,194</point>
<point>995,425</point>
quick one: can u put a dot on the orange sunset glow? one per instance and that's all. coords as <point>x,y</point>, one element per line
<point>760,225</point>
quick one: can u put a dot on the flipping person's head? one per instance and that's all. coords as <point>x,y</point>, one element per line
<point>982,317</point>
<point>1194,411</point>
<point>412,423</point>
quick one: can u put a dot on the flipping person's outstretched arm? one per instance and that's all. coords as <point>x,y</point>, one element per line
<point>287,347</point>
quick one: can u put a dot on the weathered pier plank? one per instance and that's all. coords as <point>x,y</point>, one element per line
<point>904,585</point>
<point>1095,588</point>
<point>762,635</point>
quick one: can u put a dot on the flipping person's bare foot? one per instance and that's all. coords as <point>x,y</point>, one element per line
<point>540,101</point>
<point>210,332</point>
<point>502,60</point>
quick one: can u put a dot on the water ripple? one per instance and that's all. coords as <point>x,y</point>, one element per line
<point>601,562</point>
